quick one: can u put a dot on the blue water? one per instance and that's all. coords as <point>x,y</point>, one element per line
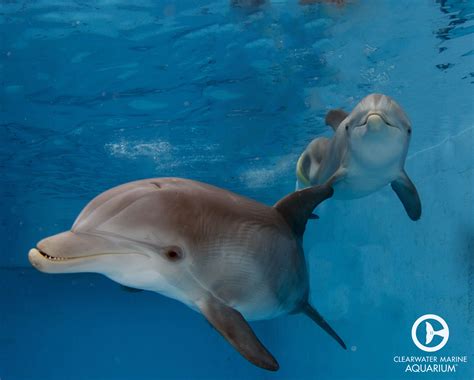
<point>95,94</point>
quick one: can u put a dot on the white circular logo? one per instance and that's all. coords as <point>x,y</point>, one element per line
<point>431,332</point>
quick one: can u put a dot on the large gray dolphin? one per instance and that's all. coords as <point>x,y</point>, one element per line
<point>230,258</point>
<point>367,152</point>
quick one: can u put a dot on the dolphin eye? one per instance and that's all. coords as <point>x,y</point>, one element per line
<point>173,254</point>
<point>347,127</point>
<point>409,131</point>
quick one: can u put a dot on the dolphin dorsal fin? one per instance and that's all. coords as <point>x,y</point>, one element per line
<point>296,208</point>
<point>334,118</point>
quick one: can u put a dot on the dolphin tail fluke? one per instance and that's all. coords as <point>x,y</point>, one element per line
<point>298,207</point>
<point>321,322</point>
<point>235,329</point>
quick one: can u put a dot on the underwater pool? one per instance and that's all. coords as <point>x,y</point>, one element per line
<point>98,93</point>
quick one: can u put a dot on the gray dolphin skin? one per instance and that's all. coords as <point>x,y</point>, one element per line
<point>228,257</point>
<point>367,152</point>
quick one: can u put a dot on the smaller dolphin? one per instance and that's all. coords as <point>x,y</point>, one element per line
<point>367,152</point>
<point>228,257</point>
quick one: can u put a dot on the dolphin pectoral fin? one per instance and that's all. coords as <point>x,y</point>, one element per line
<point>408,195</point>
<point>233,327</point>
<point>334,118</point>
<point>316,317</point>
<point>296,208</point>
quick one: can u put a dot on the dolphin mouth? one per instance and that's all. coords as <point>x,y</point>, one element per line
<point>36,252</point>
<point>46,263</point>
<point>49,257</point>
<point>381,115</point>
<point>61,258</point>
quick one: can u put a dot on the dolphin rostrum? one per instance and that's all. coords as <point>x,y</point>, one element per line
<point>367,152</point>
<point>228,257</point>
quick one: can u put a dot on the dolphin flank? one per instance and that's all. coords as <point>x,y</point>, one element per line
<point>228,257</point>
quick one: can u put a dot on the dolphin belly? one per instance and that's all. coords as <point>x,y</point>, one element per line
<point>360,182</point>
<point>356,188</point>
<point>264,306</point>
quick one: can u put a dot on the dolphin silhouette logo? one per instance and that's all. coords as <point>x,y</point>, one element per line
<point>431,333</point>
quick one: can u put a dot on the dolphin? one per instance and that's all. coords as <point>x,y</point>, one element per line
<point>226,256</point>
<point>367,152</point>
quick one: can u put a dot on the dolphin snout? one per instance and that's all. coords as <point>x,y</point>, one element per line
<point>67,245</point>
<point>375,122</point>
<point>83,252</point>
<point>55,252</point>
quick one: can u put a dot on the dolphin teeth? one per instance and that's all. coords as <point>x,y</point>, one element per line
<point>53,258</point>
